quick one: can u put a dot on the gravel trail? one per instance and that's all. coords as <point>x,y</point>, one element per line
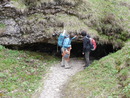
<point>58,76</point>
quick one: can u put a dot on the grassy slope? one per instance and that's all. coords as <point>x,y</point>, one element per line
<point>108,77</point>
<point>21,72</point>
<point>109,18</point>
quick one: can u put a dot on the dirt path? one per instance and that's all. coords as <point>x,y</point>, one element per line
<point>58,76</point>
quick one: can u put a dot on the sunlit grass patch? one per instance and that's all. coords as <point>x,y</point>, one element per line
<point>21,71</point>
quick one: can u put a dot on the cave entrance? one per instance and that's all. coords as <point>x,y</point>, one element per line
<point>101,51</point>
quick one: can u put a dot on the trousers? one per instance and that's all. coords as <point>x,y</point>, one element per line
<point>87,62</point>
<point>64,61</point>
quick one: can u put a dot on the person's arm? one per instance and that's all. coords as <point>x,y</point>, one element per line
<point>74,37</point>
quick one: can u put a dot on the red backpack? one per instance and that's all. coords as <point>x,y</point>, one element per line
<point>93,42</point>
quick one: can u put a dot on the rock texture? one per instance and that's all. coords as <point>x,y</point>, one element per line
<point>35,24</point>
<point>25,23</point>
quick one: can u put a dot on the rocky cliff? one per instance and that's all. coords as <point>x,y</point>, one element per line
<point>31,21</point>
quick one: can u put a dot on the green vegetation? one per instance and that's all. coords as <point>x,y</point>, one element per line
<point>106,20</point>
<point>36,16</point>
<point>19,4</point>
<point>71,22</point>
<point>2,25</point>
<point>109,18</point>
<point>107,78</point>
<point>106,17</point>
<point>21,72</point>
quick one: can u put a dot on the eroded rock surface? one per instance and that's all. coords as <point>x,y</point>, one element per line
<point>34,24</point>
<point>29,22</point>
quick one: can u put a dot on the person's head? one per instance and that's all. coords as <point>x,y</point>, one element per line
<point>83,33</point>
<point>65,33</point>
<point>72,35</point>
<point>67,36</point>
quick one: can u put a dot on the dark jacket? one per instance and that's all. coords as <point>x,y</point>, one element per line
<point>86,44</point>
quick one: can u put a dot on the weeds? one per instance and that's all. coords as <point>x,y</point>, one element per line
<point>21,71</point>
<point>2,25</point>
<point>106,78</point>
<point>19,4</point>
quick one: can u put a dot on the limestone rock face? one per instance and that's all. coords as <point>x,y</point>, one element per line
<point>11,33</point>
<point>31,25</point>
<point>25,21</point>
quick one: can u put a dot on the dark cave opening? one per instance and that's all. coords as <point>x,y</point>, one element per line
<point>101,50</point>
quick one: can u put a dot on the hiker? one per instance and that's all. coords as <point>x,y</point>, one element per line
<point>66,48</point>
<point>86,48</point>
<point>61,39</point>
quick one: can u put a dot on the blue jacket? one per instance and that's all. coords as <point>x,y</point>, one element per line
<point>67,42</point>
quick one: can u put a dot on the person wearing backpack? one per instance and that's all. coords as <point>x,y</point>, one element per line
<point>61,40</point>
<point>66,48</point>
<point>87,46</point>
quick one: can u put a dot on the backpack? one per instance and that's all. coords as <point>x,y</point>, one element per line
<point>61,39</point>
<point>91,44</point>
<point>94,45</point>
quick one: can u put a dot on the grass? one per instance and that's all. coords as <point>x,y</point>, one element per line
<point>2,25</point>
<point>107,78</point>
<point>19,4</point>
<point>71,22</point>
<point>108,18</point>
<point>21,72</point>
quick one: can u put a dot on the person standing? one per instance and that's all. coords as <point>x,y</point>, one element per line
<point>86,48</point>
<point>61,39</point>
<point>66,48</point>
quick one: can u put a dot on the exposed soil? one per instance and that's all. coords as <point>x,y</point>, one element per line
<point>58,77</point>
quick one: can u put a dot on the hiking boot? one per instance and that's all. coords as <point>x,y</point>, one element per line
<point>62,65</point>
<point>67,67</point>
